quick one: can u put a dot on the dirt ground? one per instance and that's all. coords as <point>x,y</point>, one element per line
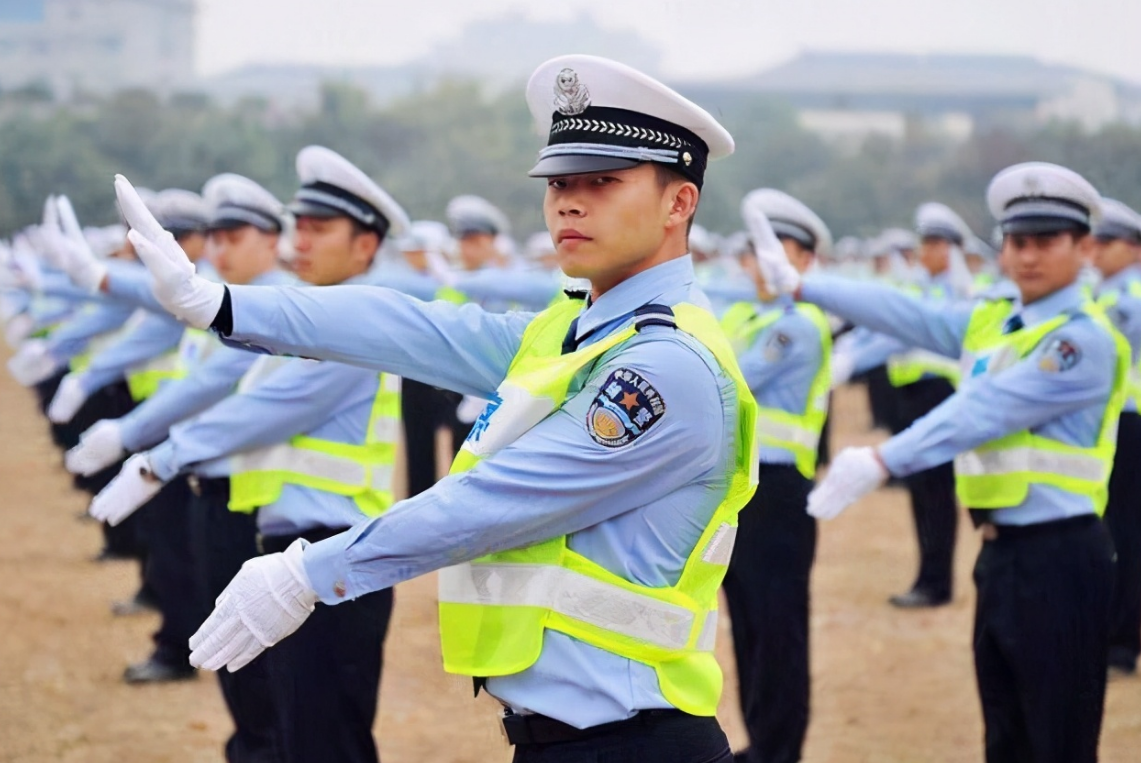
<point>888,686</point>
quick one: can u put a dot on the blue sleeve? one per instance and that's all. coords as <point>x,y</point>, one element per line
<point>935,326</point>
<point>462,348</point>
<point>554,480</point>
<point>875,352</point>
<point>534,290</point>
<point>731,291</point>
<point>56,284</point>
<point>131,284</point>
<point>71,338</point>
<point>156,335</point>
<point>789,345</point>
<point>418,285</point>
<point>294,399</point>
<point>1032,392</point>
<point>211,381</point>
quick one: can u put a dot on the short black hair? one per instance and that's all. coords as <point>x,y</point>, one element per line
<point>666,175</point>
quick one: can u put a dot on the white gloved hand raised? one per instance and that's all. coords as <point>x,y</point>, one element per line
<point>99,447</point>
<point>854,473</point>
<point>189,297</point>
<point>779,274</point>
<point>69,398</point>
<point>78,261</point>
<point>134,486</point>
<point>33,363</point>
<point>267,600</point>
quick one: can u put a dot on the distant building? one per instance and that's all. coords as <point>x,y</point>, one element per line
<point>847,96</point>
<point>96,45</point>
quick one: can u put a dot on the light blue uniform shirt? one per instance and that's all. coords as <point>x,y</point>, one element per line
<point>780,365</point>
<point>72,337</point>
<point>497,288</point>
<point>1067,404</point>
<point>637,510</point>
<point>206,383</point>
<point>1125,313</point>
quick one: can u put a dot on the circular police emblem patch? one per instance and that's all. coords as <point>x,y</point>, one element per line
<point>624,409</point>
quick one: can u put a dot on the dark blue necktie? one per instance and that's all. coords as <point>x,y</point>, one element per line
<point>570,341</point>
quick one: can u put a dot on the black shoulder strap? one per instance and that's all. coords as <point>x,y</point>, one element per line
<point>654,315</point>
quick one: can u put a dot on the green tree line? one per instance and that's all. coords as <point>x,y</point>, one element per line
<point>456,139</point>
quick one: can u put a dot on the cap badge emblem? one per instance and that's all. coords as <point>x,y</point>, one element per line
<point>687,158</point>
<point>571,96</point>
<point>1032,186</point>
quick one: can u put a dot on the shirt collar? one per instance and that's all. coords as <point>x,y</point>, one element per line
<point>1120,280</point>
<point>1068,298</point>
<point>666,284</point>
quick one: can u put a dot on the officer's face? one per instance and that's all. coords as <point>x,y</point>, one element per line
<point>608,226</point>
<point>1042,264</point>
<point>330,251</point>
<point>242,254</point>
<point>1110,257</point>
<point>477,250</point>
<point>934,254</point>
<point>194,244</point>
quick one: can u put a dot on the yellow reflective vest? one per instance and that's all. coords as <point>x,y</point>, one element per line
<point>1106,301</point>
<point>999,473</point>
<point>362,472</point>
<point>494,610</point>
<point>798,433</point>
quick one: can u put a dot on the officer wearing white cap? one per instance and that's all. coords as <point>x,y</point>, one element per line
<point>784,351</point>
<point>613,458</point>
<point>311,448</point>
<point>923,380</point>
<point>1032,431</point>
<point>1116,251</point>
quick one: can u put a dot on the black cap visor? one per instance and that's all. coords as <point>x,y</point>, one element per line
<point>1041,226</point>
<point>313,209</point>
<point>579,164</point>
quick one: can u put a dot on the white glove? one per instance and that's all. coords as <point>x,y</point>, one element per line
<point>134,486</point>
<point>843,363</point>
<point>779,274</point>
<point>854,473</point>
<point>99,447</point>
<point>75,255</point>
<point>19,328</point>
<point>189,297</point>
<point>267,600</point>
<point>33,363</point>
<point>69,398</point>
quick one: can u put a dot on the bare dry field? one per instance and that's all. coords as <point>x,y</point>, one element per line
<point>888,686</point>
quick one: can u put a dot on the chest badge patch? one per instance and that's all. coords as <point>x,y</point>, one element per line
<point>625,408</point>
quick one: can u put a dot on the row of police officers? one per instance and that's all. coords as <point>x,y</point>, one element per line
<point>627,442</point>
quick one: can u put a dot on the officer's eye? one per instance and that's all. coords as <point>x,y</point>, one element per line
<point>605,180</point>
<point>557,183</point>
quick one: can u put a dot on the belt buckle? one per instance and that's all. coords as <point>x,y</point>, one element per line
<point>989,531</point>
<point>195,484</point>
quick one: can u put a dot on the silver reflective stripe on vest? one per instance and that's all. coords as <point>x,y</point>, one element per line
<point>770,429</point>
<point>708,638</point>
<point>571,594</point>
<point>311,463</point>
<point>999,462</point>
<point>719,549</point>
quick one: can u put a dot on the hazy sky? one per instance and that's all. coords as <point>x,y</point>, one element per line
<point>700,38</point>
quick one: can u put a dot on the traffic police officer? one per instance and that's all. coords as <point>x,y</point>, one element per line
<point>784,350</point>
<point>312,447</point>
<point>590,516</point>
<point>1032,431</point>
<point>1116,250</point>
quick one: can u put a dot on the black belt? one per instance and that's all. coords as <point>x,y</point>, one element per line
<point>271,544</point>
<point>539,729</point>
<point>209,487</point>
<point>991,531</point>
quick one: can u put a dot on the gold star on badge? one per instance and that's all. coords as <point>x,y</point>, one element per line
<point>629,401</point>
